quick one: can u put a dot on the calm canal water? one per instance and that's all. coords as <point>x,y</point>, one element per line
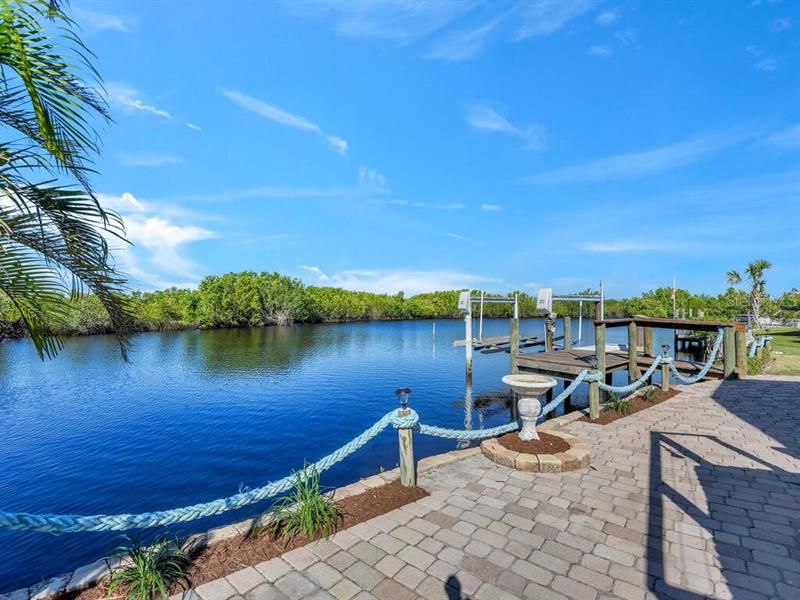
<point>199,415</point>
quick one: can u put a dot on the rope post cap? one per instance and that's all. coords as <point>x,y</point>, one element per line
<point>402,394</point>
<point>665,350</point>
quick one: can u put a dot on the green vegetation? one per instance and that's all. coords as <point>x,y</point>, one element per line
<point>785,356</point>
<point>148,572</point>
<point>53,231</point>
<point>650,393</point>
<point>621,405</point>
<point>755,274</point>
<point>307,511</point>
<point>250,299</point>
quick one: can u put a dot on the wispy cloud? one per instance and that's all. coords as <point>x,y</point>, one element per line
<point>543,17</point>
<point>485,118</point>
<point>129,100</point>
<point>761,60</point>
<point>372,180</point>
<point>465,43</point>
<point>458,236</point>
<point>648,162</point>
<point>149,159</point>
<point>607,17</point>
<point>402,22</point>
<point>641,246</point>
<point>628,37</point>
<point>157,257</point>
<point>600,51</point>
<point>491,207</point>
<point>104,21</point>
<point>779,25</point>
<point>195,127</point>
<point>787,138</point>
<point>282,117</point>
<point>446,206</point>
<point>391,281</point>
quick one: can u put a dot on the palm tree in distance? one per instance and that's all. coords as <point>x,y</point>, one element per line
<point>755,274</point>
<point>53,232</point>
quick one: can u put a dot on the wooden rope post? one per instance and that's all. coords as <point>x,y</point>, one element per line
<point>567,333</point>
<point>729,353</point>
<point>664,377</point>
<point>594,400</point>
<point>408,468</point>
<point>633,361</point>
<point>514,344</point>
<point>594,386</point>
<point>741,354</point>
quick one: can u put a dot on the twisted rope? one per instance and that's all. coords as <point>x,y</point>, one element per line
<point>633,385</point>
<point>706,367</point>
<point>467,434</point>
<point>50,523</point>
<point>547,408</point>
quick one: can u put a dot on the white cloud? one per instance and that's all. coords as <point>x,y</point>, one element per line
<point>391,281</point>
<point>787,138</point>
<point>149,159</point>
<point>606,17</point>
<point>398,21</point>
<point>282,117</point>
<point>372,180</point>
<point>127,98</point>
<point>450,206</point>
<point>491,207</point>
<point>485,118</point>
<point>158,243</point>
<point>103,21</point>
<point>629,37</point>
<point>648,162</point>
<point>193,126</point>
<point>543,17</point>
<point>463,44</point>
<point>761,60</point>
<point>600,51</point>
<point>458,236</point>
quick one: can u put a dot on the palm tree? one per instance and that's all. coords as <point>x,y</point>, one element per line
<point>755,274</point>
<point>54,234</point>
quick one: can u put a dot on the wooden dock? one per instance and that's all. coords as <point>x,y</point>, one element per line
<point>500,340</point>
<point>567,364</point>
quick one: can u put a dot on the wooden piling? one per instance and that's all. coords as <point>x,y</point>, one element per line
<point>648,341</point>
<point>408,468</point>
<point>633,366</point>
<point>600,353</point>
<point>567,333</point>
<point>741,354</point>
<point>664,377</point>
<point>729,353</point>
<point>514,344</point>
<point>594,400</point>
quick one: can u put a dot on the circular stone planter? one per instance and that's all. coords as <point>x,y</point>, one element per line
<point>577,456</point>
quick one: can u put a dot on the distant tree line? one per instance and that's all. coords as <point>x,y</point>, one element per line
<point>251,299</point>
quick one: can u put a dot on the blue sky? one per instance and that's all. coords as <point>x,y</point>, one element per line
<point>417,146</point>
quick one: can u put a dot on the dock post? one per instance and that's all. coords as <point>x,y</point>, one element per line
<point>408,468</point>
<point>594,399</point>
<point>664,377</point>
<point>648,341</point>
<point>741,354</point>
<point>514,344</point>
<point>567,333</point>
<point>468,341</point>
<point>729,353</point>
<point>633,362</point>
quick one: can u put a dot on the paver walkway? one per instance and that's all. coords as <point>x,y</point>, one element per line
<point>697,497</point>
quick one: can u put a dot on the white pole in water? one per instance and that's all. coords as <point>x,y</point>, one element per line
<point>480,323</point>
<point>516,306</point>
<point>580,320</point>
<point>434,331</point>
<point>468,338</point>
<point>602,300</point>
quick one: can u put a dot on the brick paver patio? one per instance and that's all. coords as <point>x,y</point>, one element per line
<point>697,497</point>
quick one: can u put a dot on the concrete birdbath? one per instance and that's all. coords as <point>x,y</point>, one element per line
<point>529,387</point>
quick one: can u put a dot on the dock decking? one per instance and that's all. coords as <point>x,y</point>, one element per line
<point>566,364</point>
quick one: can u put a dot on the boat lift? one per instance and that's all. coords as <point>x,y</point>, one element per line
<point>465,302</point>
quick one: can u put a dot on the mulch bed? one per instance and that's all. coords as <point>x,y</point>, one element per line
<point>233,554</point>
<point>546,444</point>
<point>637,404</point>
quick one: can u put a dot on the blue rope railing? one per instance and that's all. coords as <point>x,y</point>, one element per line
<point>706,367</point>
<point>53,523</point>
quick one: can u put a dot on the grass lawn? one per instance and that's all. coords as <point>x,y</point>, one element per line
<point>786,340</point>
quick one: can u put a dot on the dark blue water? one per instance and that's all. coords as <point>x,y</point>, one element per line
<point>200,415</point>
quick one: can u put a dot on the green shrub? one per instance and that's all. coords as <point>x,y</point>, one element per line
<point>148,572</point>
<point>650,394</point>
<point>308,510</point>
<point>621,405</point>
